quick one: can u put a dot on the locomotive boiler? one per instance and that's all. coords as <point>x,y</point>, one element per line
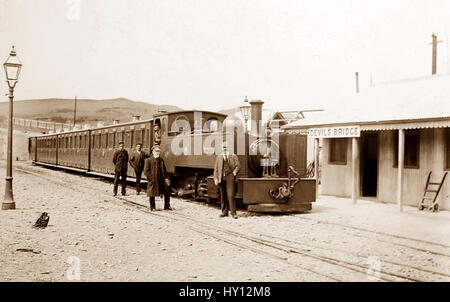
<point>273,163</point>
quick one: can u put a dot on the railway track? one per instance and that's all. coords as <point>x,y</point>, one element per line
<point>387,238</point>
<point>274,247</point>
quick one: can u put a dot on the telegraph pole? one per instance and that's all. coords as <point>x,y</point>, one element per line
<point>434,53</point>
<point>75,112</point>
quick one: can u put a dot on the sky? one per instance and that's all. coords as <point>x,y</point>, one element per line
<point>210,54</point>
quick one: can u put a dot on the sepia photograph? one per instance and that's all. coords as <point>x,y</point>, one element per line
<point>225,148</point>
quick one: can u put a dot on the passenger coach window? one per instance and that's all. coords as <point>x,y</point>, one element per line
<point>138,136</point>
<point>128,139</point>
<point>104,140</point>
<point>111,140</point>
<point>145,137</point>
<point>338,151</point>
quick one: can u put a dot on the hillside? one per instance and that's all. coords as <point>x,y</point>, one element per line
<point>61,110</point>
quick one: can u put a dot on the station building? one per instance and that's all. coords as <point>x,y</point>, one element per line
<point>363,137</point>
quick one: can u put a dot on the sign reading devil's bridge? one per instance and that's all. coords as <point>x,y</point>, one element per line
<point>333,132</point>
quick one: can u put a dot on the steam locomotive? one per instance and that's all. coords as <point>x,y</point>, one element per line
<point>273,163</point>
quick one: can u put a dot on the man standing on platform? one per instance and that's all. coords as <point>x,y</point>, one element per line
<point>120,161</point>
<point>226,168</point>
<point>158,182</point>
<point>137,161</point>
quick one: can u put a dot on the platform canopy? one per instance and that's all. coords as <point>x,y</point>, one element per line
<point>406,104</point>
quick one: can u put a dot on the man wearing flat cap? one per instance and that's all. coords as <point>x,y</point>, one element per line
<point>120,161</point>
<point>158,182</point>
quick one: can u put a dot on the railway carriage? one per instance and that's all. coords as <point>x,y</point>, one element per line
<point>190,142</point>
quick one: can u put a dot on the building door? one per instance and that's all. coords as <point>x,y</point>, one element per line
<point>369,164</point>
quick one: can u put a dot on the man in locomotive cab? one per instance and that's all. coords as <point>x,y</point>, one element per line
<point>158,179</point>
<point>226,168</point>
<point>120,161</point>
<point>137,161</point>
<point>157,134</point>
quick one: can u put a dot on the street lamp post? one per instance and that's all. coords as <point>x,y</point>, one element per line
<point>245,111</point>
<point>12,69</point>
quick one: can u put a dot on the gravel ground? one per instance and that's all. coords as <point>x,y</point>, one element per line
<point>118,242</point>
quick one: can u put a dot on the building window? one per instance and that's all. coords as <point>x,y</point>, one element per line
<point>447,147</point>
<point>412,147</point>
<point>338,151</point>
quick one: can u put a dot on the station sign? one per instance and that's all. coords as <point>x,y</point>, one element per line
<point>334,132</point>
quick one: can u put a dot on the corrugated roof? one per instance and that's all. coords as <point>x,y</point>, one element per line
<point>415,100</point>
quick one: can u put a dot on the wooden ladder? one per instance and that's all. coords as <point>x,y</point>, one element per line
<point>429,202</point>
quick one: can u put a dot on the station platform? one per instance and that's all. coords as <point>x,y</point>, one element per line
<point>383,218</point>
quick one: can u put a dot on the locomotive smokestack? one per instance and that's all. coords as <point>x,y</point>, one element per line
<point>256,116</point>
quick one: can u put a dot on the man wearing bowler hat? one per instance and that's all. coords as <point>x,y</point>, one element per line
<point>120,161</point>
<point>226,168</point>
<point>158,182</point>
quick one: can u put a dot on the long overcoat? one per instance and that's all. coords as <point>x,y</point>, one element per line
<point>156,173</point>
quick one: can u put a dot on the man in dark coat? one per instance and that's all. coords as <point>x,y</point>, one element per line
<point>137,161</point>
<point>226,168</point>
<point>158,182</point>
<point>120,161</point>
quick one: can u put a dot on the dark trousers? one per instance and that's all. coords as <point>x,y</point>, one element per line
<point>138,180</point>
<point>227,190</point>
<point>123,176</point>
<point>166,201</point>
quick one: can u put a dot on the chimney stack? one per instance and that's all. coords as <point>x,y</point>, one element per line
<point>256,116</point>
<point>357,82</point>
<point>100,124</point>
<point>136,118</point>
<point>115,122</point>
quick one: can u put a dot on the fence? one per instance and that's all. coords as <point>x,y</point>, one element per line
<point>51,126</point>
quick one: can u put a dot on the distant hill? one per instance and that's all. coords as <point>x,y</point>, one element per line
<point>61,110</point>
